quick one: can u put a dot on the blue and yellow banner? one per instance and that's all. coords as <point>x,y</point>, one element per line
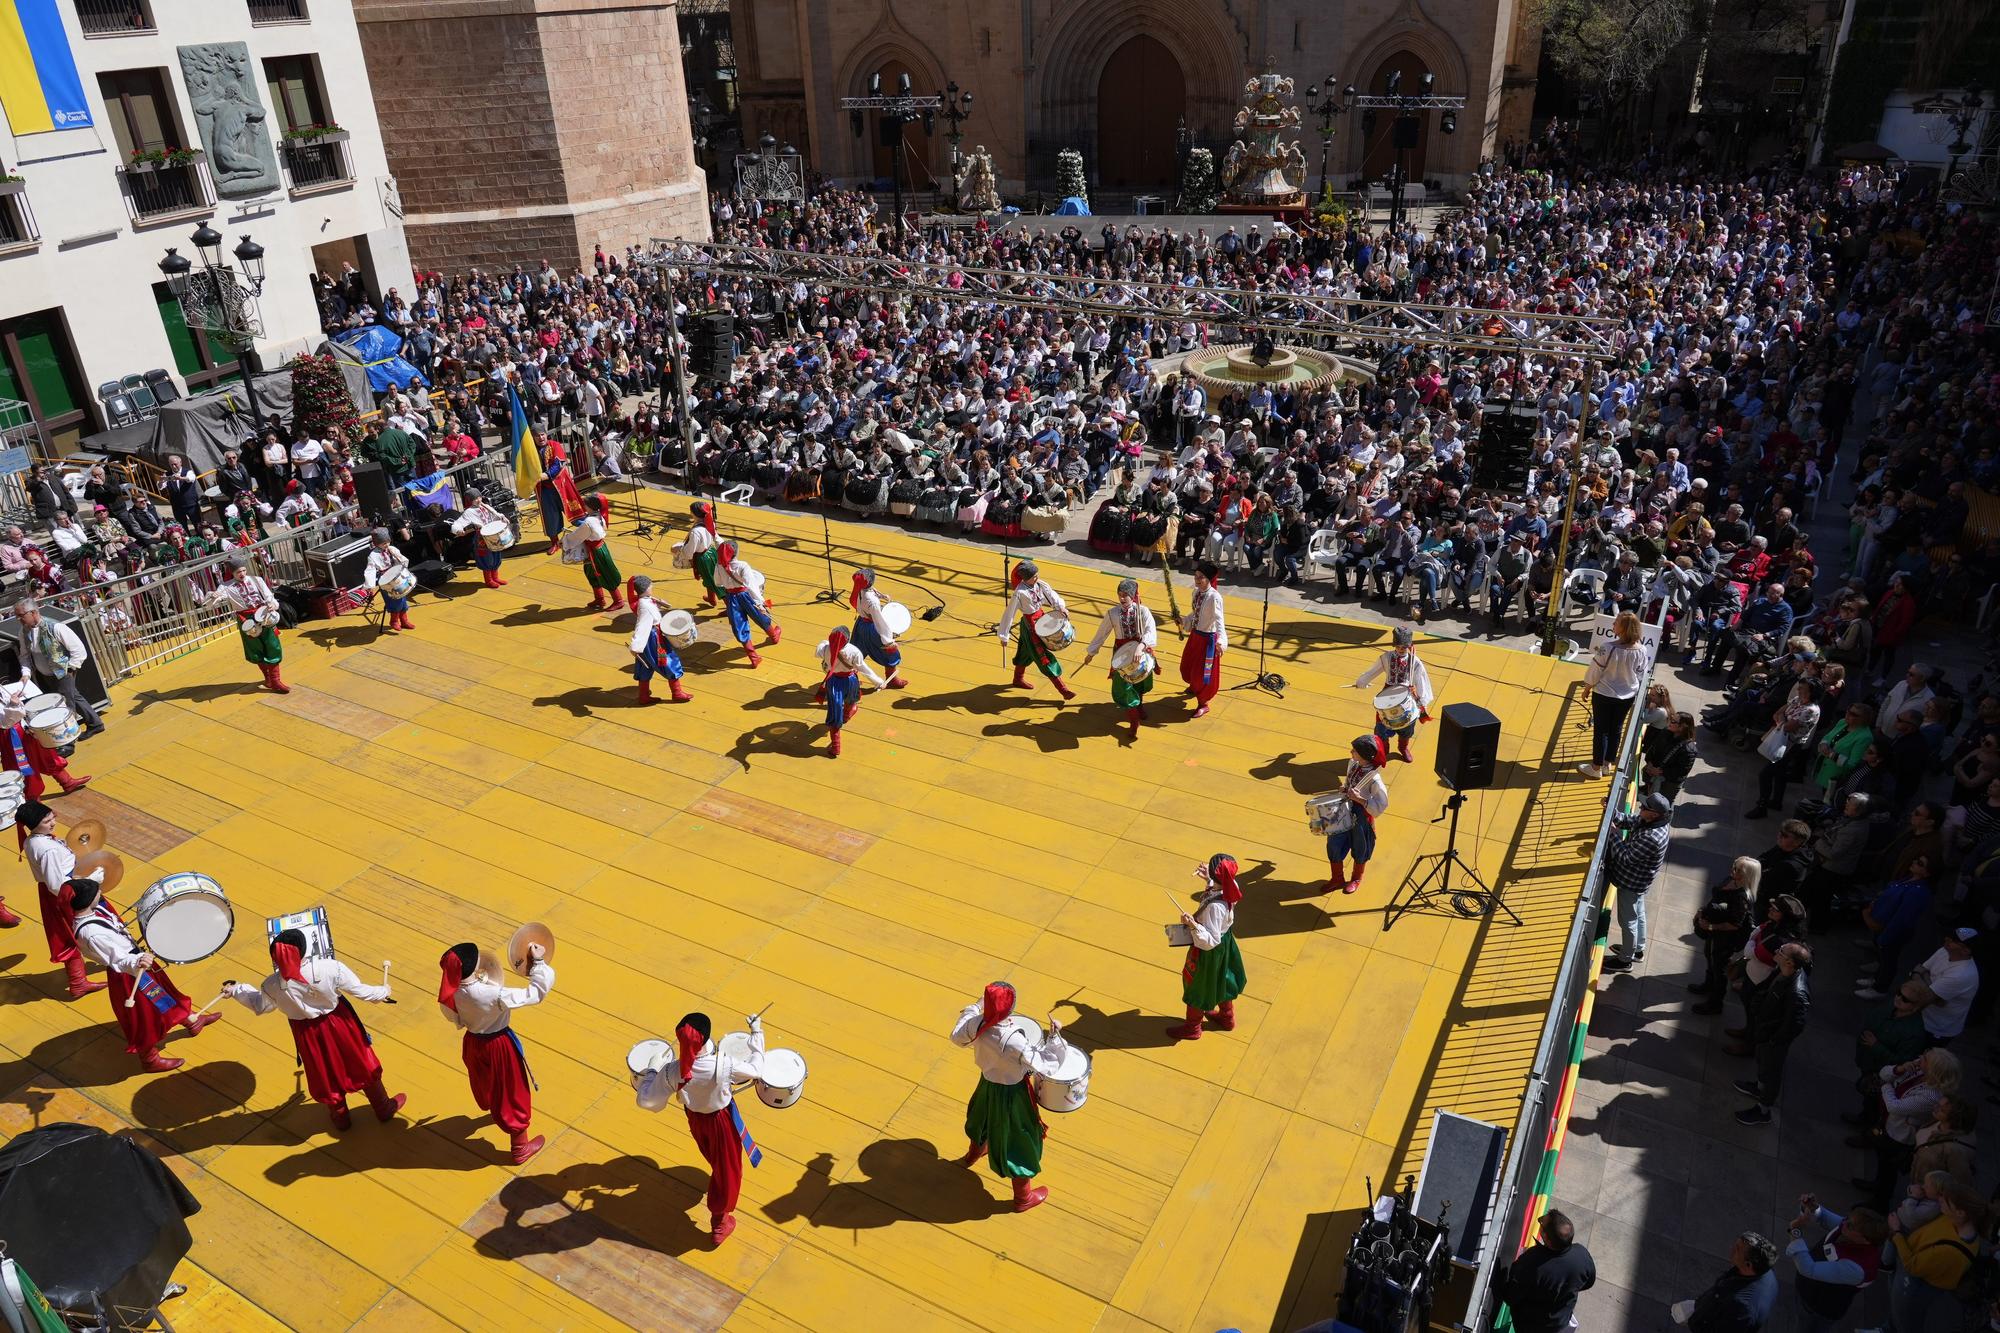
<point>39,86</point>
<point>521,440</point>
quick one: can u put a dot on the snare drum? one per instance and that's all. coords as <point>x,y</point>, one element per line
<point>497,535</point>
<point>54,726</point>
<point>898,617</point>
<point>784,1080</point>
<point>254,623</point>
<point>1396,709</point>
<point>736,1045</point>
<point>1055,631</point>
<point>648,1057</point>
<point>1069,1087</point>
<point>311,924</point>
<point>185,917</point>
<point>679,628</point>
<point>1329,812</point>
<point>572,547</point>
<point>1134,663</point>
<point>397,581</point>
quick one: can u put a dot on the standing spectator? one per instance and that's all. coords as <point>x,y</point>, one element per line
<point>1836,1267</point>
<point>1786,864</point>
<point>1632,866</point>
<point>1954,979</point>
<point>1616,674</point>
<point>1837,849</point>
<point>182,487</point>
<point>1892,917</point>
<point>1932,1260</point>
<point>1839,750</point>
<point>54,652</point>
<point>1783,746</point>
<point>1541,1286</point>
<point>48,494</point>
<point>1672,758</point>
<point>1891,1035</point>
<point>1742,1298</point>
<point>1784,923</point>
<point>1721,925</point>
<point>1779,1021</point>
<point>233,478</point>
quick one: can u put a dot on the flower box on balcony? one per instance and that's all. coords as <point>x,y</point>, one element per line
<point>330,134</point>
<point>163,159</point>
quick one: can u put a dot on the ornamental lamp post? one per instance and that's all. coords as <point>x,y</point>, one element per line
<point>1328,110</point>
<point>956,107</point>
<point>220,298</point>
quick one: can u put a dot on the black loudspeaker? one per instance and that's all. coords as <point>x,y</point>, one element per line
<point>1506,440</point>
<point>713,346</point>
<point>888,131</point>
<point>1409,131</point>
<point>431,574</point>
<point>372,493</point>
<point>1468,751</point>
<point>340,563</point>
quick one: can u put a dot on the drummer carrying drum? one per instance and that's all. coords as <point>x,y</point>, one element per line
<point>1135,639</point>
<point>653,653</point>
<point>874,631</point>
<point>494,535</point>
<point>600,571</point>
<point>1003,1120</point>
<point>744,600</point>
<point>1352,828</point>
<point>333,1046</point>
<point>388,573</point>
<point>22,750</point>
<point>840,691</point>
<point>699,550</point>
<point>1213,975</point>
<point>1405,698</point>
<point>159,1007</point>
<point>1045,628</point>
<point>256,609</point>
<point>705,1079</point>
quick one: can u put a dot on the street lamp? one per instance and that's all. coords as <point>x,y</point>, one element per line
<point>956,108</point>
<point>1961,113</point>
<point>220,299</point>
<point>1329,111</point>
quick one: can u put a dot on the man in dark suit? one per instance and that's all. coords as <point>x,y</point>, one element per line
<point>1541,1286</point>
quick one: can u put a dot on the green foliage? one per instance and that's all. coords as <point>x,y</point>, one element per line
<point>1069,175</point>
<point>1199,191</point>
<point>320,405</point>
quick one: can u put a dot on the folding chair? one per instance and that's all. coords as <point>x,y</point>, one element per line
<point>141,396</point>
<point>162,385</point>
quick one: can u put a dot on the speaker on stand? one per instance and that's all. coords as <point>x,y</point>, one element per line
<point>1506,449</point>
<point>1467,760</point>
<point>373,494</point>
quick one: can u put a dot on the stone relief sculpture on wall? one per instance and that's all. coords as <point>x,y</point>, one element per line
<point>231,118</point>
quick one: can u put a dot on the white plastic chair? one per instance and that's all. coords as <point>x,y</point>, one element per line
<point>1321,550</point>
<point>1591,582</point>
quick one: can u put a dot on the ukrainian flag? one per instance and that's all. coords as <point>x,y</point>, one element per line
<point>39,86</point>
<point>521,438</point>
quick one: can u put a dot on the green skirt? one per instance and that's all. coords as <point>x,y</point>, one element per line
<point>704,569</point>
<point>601,571</point>
<point>262,650</point>
<point>1006,1119</point>
<point>1028,651</point>
<point>1127,695</point>
<point>1213,977</point>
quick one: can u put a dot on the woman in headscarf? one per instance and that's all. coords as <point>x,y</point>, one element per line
<point>1003,1121</point>
<point>1029,600</point>
<point>1207,637</point>
<point>334,1048</point>
<point>600,571</point>
<point>872,634</point>
<point>840,691</point>
<point>1128,622</point>
<point>697,552</point>
<point>1367,800</point>
<point>256,609</point>
<point>1213,975</point>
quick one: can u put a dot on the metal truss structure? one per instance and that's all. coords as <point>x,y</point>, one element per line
<point>1396,102</point>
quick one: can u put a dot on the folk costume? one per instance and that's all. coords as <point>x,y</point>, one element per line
<point>1213,975</point>
<point>705,1077</point>
<point>161,1007</point>
<point>53,863</point>
<point>699,550</point>
<point>654,655</point>
<point>382,558</point>
<point>742,589</point>
<point>840,691</point>
<point>256,608</point>
<point>1367,801</point>
<point>24,753</point>
<point>1207,638</point>
<point>557,499</point>
<point>1401,668</point>
<point>872,633</point>
<point>478,516</point>
<point>1003,1121</point>
<point>1030,600</point>
<point>600,571</point>
<point>495,1063</point>
<point>1128,622</point>
<point>334,1048</point>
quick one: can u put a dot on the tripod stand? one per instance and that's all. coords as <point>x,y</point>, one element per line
<point>1434,891</point>
<point>1268,681</point>
<point>828,594</point>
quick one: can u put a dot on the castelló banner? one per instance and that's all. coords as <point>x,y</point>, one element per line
<point>39,86</point>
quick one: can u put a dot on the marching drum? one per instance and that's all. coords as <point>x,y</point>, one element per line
<point>397,581</point>
<point>736,1045</point>
<point>185,917</point>
<point>311,924</point>
<point>683,558</point>
<point>256,622</point>
<point>53,724</point>
<point>1069,1087</point>
<point>497,535</point>
<point>648,1057</point>
<point>784,1080</point>
<point>898,617</point>
<point>1329,812</point>
<point>679,629</point>
<point>1055,632</point>
<point>10,796</point>
<point>1396,709</point>
<point>1133,662</point>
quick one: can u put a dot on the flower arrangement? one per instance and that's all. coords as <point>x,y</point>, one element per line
<point>308,133</point>
<point>162,157</point>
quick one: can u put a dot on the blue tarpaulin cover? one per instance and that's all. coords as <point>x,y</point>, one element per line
<point>1073,207</point>
<point>380,350</point>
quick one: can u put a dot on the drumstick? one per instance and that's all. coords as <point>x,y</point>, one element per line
<point>1178,909</point>
<point>761,1012</point>
<point>211,1004</point>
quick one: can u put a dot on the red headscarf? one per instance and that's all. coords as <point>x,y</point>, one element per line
<point>1222,871</point>
<point>998,1003</point>
<point>725,554</point>
<point>286,956</point>
<point>452,965</point>
<point>690,1039</point>
<point>1375,748</point>
<point>861,584</point>
<point>836,639</point>
<point>706,513</point>
<point>603,503</point>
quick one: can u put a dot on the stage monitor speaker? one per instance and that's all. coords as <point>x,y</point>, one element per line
<point>373,494</point>
<point>1461,1168</point>
<point>1506,445</point>
<point>1468,749</point>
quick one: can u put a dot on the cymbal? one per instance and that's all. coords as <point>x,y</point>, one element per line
<point>488,965</point>
<point>114,867</point>
<point>532,932</point>
<point>86,835</point>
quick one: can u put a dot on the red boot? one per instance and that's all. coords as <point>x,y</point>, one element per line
<point>1020,678</point>
<point>525,1147</point>
<point>819,695</point>
<point>1025,1197</point>
<point>646,692</point>
<point>199,1021</point>
<point>1223,1019</point>
<point>80,984</point>
<point>493,579</point>
<point>1355,883</point>
<point>679,695</point>
<point>1403,748</point>
<point>755,661</point>
<point>1064,690</point>
<point>973,1152</point>
<point>70,782</point>
<point>275,681</point>
<point>338,1113</point>
<point>1191,1029</point>
<point>406,621</point>
<point>776,631</point>
<point>384,1106</point>
<point>153,1062</point>
<point>895,681</point>
<point>720,1227</point>
<point>833,743</point>
<point>1337,876</point>
<point>1133,715</point>
<point>8,920</point>
<point>710,595</point>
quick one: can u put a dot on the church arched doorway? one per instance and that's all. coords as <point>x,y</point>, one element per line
<point>1378,151</point>
<point>1141,97</point>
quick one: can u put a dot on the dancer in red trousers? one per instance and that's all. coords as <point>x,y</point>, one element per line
<point>1207,638</point>
<point>333,1047</point>
<point>22,751</point>
<point>53,863</point>
<point>705,1077</point>
<point>473,998</point>
<point>160,1006</point>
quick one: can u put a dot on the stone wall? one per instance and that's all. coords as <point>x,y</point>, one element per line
<point>520,130</point>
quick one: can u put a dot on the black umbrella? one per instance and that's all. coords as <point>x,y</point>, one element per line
<point>96,1218</point>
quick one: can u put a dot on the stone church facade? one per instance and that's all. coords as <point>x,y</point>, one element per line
<point>1118,79</point>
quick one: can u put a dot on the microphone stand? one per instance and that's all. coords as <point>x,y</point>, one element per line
<point>1268,681</point>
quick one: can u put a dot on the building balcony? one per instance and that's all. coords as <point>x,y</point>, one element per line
<point>113,18</point>
<point>263,12</point>
<point>316,165</point>
<point>18,232</point>
<point>160,192</point>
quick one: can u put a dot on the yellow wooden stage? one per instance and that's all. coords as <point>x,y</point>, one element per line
<point>492,768</point>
